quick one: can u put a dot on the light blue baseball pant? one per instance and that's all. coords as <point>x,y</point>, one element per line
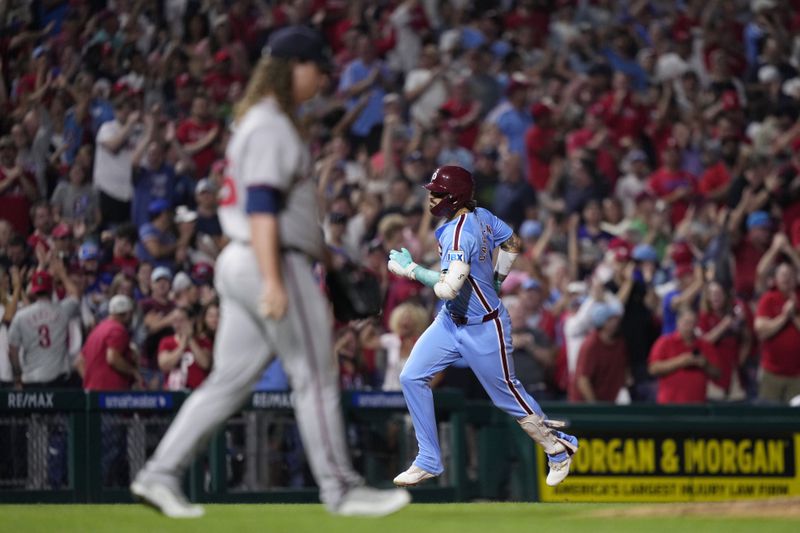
<point>487,349</point>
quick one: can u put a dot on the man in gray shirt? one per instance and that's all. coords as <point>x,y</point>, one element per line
<point>40,331</point>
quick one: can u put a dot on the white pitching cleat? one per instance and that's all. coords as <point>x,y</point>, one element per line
<point>367,501</point>
<point>413,476</point>
<point>170,502</point>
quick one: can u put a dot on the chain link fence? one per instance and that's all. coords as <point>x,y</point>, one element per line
<point>128,439</point>
<point>34,452</point>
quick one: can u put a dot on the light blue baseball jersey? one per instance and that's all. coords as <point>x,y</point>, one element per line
<point>483,343</point>
<point>471,238</point>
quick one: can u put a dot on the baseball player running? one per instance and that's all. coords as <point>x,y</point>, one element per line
<point>270,302</point>
<point>472,324</point>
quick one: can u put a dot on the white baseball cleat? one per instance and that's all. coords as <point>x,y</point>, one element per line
<point>558,471</point>
<point>559,468</point>
<point>367,501</point>
<point>170,502</point>
<point>413,476</point>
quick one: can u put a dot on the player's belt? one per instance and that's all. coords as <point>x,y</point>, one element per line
<point>471,320</point>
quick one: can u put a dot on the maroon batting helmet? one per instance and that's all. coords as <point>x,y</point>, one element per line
<point>456,185</point>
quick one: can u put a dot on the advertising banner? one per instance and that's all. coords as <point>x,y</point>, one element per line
<point>658,468</point>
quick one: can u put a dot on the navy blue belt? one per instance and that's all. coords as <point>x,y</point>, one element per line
<point>471,320</point>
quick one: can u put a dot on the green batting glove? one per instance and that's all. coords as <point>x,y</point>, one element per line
<point>403,257</point>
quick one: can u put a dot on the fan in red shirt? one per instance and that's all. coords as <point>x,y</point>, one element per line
<point>725,324</point>
<point>748,249</point>
<point>540,146</point>
<point>603,359</point>
<point>108,364</point>
<point>715,182</point>
<point>218,82</point>
<point>673,185</point>
<point>682,363</point>
<point>198,134</point>
<point>463,111</point>
<point>594,137</point>
<point>778,327</point>
<point>17,188</point>
<point>184,357</point>
<point>625,118</point>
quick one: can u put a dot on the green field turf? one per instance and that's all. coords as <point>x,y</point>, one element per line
<point>442,518</point>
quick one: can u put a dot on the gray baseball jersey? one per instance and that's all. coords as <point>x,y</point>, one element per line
<point>266,151</point>
<point>40,330</point>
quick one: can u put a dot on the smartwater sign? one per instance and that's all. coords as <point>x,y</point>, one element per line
<point>135,401</point>
<point>662,469</point>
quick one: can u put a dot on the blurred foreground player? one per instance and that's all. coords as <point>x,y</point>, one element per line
<point>473,324</point>
<point>270,302</point>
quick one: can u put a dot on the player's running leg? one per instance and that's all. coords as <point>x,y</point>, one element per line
<point>432,353</point>
<point>242,350</point>
<point>487,348</point>
<point>241,354</point>
<point>305,346</point>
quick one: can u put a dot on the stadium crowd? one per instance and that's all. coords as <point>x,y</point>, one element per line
<point>646,151</point>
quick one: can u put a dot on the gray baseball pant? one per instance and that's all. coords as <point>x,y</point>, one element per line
<point>245,345</point>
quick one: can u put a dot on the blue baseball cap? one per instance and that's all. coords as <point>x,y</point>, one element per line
<point>531,284</point>
<point>645,252</point>
<point>158,206</point>
<point>758,219</point>
<point>602,312</point>
<point>88,251</point>
<point>530,229</point>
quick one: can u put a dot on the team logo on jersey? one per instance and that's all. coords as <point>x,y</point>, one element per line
<point>227,193</point>
<point>455,255</point>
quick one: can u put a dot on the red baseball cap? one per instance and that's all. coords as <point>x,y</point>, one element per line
<point>42,282</point>
<point>540,110</point>
<point>62,230</point>
<point>681,254</point>
<point>621,249</point>
<point>202,273</point>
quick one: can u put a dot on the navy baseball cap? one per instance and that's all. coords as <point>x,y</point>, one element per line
<point>758,219</point>
<point>298,42</point>
<point>158,206</point>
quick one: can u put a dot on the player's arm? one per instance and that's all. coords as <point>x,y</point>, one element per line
<point>586,389</point>
<point>16,365</point>
<point>117,361</point>
<point>445,284</point>
<point>663,367</point>
<point>509,250</point>
<point>263,205</point>
<point>157,249</point>
<point>80,365</point>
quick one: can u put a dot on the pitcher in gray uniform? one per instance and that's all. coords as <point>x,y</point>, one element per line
<point>270,302</point>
